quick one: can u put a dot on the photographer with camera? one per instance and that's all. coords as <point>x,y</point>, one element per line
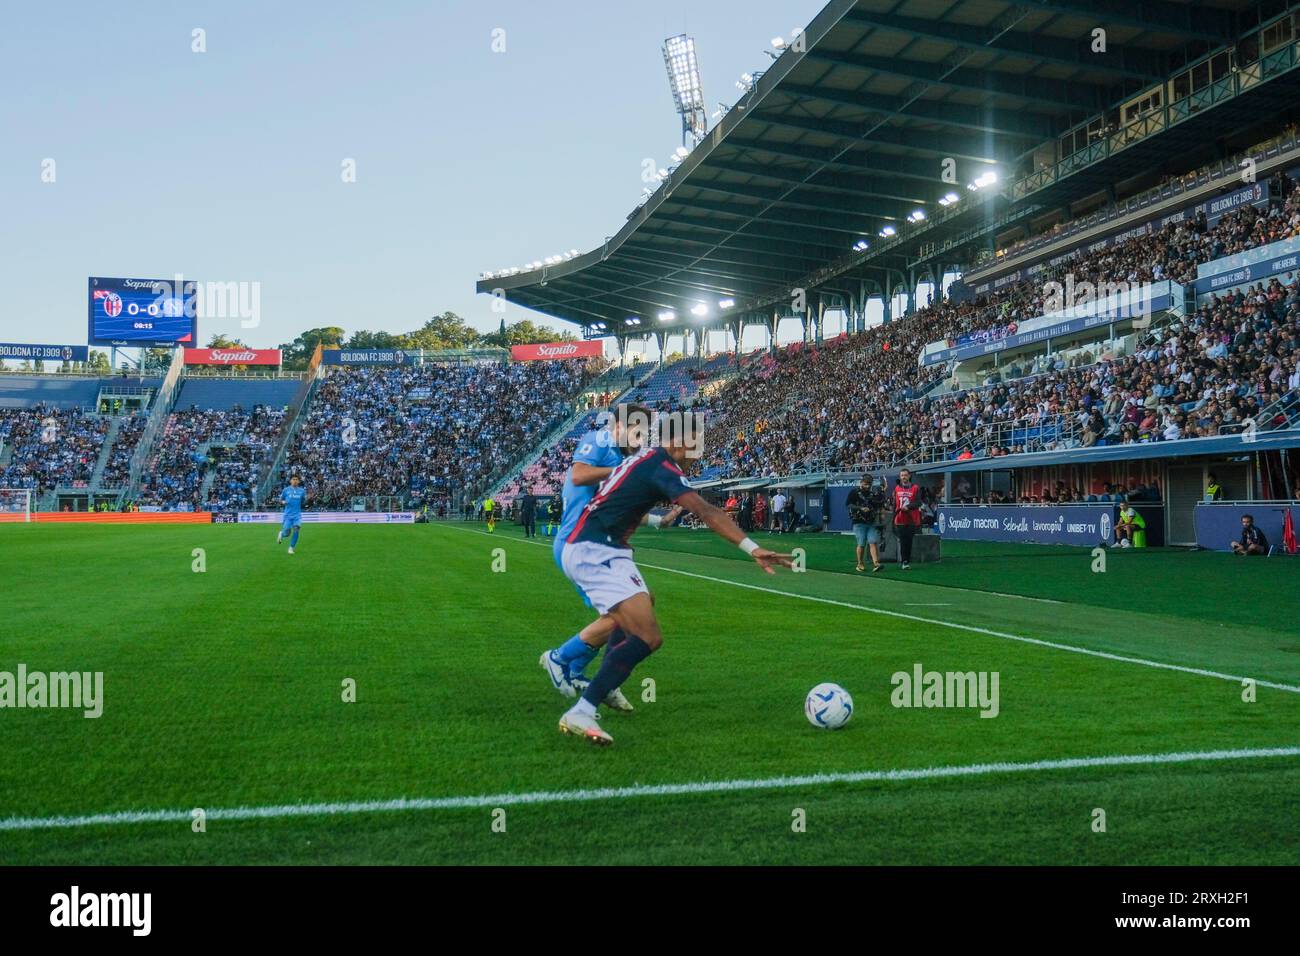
<point>866,505</point>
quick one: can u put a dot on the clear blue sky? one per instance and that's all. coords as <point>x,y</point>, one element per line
<point>225,165</point>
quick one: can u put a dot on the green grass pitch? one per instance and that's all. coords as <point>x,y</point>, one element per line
<point>224,690</point>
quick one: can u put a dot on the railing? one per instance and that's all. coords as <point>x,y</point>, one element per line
<point>1286,408</point>
<point>292,420</point>
<point>1205,180</point>
<point>1027,434</point>
<point>162,406</point>
<point>1219,91</point>
<point>227,372</point>
<point>520,464</point>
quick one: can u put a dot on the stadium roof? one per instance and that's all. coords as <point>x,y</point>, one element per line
<point>846,137</point>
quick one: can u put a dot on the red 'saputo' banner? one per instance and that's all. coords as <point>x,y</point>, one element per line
<point>557,350</point>
<point>232,356</point>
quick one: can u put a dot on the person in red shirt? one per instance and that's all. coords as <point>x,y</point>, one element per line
<point>907,516</point>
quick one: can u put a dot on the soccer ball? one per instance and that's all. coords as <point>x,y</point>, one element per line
<point>828,706</point>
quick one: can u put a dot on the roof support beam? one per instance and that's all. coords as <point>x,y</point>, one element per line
<point>1018,125</point>
<point>833,157</point>
<point>830,182</point>
<point>788,197</point>
<point>973,149</point>
<point>779,249</point>
<point>845,223</point>
<point>1120,63</point>
<point>1066,95</point>
<point>1192,21</point>
<point>831,244</point>
<point>721,258</point>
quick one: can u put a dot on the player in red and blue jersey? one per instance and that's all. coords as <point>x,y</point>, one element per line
<point>598,559</point>
<point>598,452</point>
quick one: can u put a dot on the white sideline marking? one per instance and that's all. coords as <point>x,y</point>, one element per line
<point>1074,649</point>
<point>929,604</point>
<point>127,817</point>
<point>986,631</point>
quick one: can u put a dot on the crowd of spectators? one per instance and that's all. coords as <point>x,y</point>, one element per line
<point>422,432</point>
<point>855,402</point>
<point>233,444</point>
<point>117,470</point>
<point>46,446</point>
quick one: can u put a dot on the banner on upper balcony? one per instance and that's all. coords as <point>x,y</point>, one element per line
<point>44,353</point>
<point>365,357</point>
<point>551,351</point>
<point>235,355</point>
<point>1244,268</point>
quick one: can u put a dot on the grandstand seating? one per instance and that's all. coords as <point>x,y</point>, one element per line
<point>545,476</point>
<point>423,433</point>
<point>681,381</point>
<point>839,404</point>
<point>209,459</point>
<point>671,386</point>
<point>45,447</point>
<point>117,468</point>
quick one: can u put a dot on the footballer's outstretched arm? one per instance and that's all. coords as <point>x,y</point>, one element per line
<point>721,524</point>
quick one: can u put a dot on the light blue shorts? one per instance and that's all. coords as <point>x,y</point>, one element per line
<point>866,534</point>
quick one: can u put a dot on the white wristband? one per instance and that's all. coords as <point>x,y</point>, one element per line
<point>749,546</point>
<point>654,521</point>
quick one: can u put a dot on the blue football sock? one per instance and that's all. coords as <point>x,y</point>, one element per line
<point>293,540</point>
<point>575,655</point>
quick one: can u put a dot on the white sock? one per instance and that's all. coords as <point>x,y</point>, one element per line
<point>584,707</point>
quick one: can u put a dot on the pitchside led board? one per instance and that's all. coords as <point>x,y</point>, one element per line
<point>142,312</point>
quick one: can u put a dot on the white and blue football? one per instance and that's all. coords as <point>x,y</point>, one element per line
<point>828,706</point>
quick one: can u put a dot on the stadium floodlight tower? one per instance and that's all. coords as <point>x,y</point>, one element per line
<point>688,91</point>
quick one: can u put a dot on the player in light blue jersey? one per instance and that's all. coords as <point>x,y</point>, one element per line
<point>293,496</point>
<point>598,453</point>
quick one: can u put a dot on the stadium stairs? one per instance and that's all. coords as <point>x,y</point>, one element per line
<point>162,407</point>
<point>294,418</point>
<point>209,473</point>
<point>611,380</point>
<point>553,437</point>
<point>110,438</point>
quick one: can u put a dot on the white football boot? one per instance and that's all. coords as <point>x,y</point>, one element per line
<point>558,674</point>
<point>585,725</point>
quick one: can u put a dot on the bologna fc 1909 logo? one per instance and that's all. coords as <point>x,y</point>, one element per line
<point>112,305</point>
